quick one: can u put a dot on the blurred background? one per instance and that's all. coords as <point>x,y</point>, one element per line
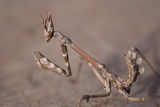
<point>105,29</point>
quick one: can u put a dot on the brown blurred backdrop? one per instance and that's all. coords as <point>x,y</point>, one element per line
<point>105,29</point>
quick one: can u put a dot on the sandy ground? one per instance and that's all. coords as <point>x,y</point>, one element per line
<point>105,29</point>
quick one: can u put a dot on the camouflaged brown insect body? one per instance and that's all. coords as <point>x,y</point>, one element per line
<point>103,74</point>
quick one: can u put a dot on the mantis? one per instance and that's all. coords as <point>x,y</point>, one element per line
<point>133,58</point>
